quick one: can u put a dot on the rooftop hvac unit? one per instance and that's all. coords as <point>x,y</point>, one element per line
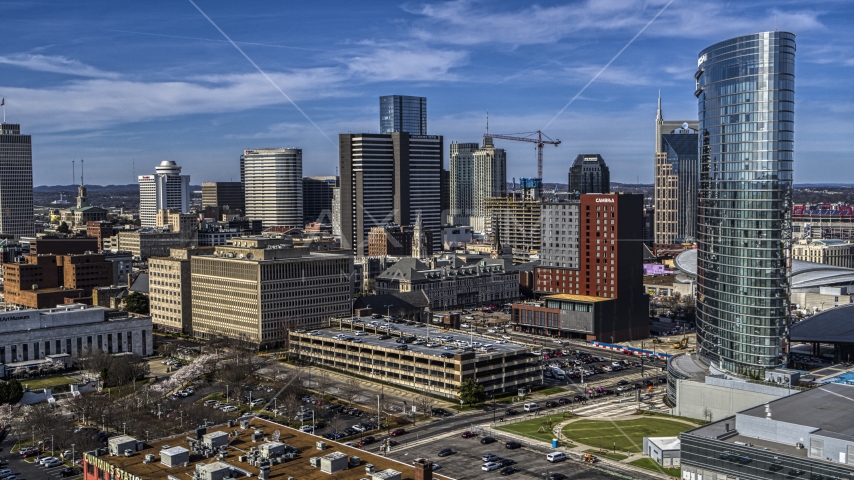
<point>314,461</point>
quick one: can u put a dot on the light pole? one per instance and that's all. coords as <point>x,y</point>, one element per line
<point>72,454</point>
<point>388,310</point>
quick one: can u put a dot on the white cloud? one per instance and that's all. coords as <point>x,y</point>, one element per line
<point>55,64</point>
<point>396,63</point>
<point>101,103</point>
<point>469,22</point>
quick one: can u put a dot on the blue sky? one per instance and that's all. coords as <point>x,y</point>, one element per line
<point>124,83</point>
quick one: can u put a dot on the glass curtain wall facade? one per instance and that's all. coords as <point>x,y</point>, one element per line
<point>745,92</point>
<point>401,113</point>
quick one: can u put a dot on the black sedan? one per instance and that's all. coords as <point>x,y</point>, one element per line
<point>511,411</point>
<point>445,452</point>
<point>512,445</point>
<point>487,440</point>
<point>508,471</point>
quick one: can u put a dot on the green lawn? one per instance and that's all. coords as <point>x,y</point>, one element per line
<point>607,454</point>
<point>550,391</point>
<point>46,382</point>
<point>650,464</point>
<point>627,434</point>
<point>531,428</point>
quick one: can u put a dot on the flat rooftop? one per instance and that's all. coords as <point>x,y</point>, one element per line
<point>419,330</point>
<point>826,407</point>
<point>577,298</point>
<point>299,468</point>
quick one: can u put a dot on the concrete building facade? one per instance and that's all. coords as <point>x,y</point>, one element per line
<point>27,335</point>
<point>829,251</point>
<point>258,288</point>
<point>169,289</point>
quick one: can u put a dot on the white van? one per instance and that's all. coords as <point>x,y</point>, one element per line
<point>558,373</point>
<point>531,407</point>
<point>556,457</point>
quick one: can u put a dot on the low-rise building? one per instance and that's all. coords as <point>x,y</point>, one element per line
<point>27,335</point>
<point>42,281</point>
<point>499,368</point>
<point>662,450</point>
<point>807,435</point>
<point>395,240</point>
<point>252,448</point>
<point>454,281</point>
<point>257,288</point>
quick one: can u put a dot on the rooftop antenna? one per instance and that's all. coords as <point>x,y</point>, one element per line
<point>73,172</point>
<point>3,104</point>
<point>487,122</point>
<point>81,172</point>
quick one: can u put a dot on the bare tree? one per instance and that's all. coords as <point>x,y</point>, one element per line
<point>351,389</point>
<point>423,402</point>
<point>321,383</point>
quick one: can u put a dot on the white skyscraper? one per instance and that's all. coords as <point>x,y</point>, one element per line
<point>272,180</point>
<point>477,173</point>
<point>167,189</point>
<point>16,181</point>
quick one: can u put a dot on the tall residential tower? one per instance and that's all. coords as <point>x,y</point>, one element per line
<point>745,91</point>
<point>167,189</point>
<point>16,181</point>
<point>272,182</point>
<point>676,177</point>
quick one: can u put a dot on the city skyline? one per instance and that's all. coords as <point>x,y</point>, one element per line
<point>143,86</point>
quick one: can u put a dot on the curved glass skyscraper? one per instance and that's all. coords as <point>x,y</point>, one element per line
<point>745,92</point>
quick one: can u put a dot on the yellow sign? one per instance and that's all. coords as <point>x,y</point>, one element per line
<point>107,467</point>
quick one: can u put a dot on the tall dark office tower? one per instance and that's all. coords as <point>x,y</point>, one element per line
<point>676,178</point>
<point>223,194</point>
<point>745,91</point>
<point>400,113</point>
<point>446,196</point>
<point>317,198</point>
<point>16,181</point>
<point>589,174</point>
<point>388,178</point>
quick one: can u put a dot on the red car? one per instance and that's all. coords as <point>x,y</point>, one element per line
<point>398,432</point>
<point>469,434</point>
<point>31,453</point>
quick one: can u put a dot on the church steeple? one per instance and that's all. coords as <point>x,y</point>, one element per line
<point>419,239</point>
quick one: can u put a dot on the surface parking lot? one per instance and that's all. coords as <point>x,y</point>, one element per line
<point>465,463</point>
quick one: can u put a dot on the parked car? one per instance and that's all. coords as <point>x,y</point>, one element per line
<point>398,432</point>
<point>511,411</point>
<point>512,445</point>
<point>468,434</point>
<point>445,452</point>
<point>490,466</point>
<point>487,440</point>
<point>489,457</point>
<point>508,471</point>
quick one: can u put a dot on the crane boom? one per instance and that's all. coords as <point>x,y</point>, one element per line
<point>528,138</point>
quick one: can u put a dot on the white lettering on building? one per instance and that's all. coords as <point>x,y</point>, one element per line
<point>604,200</point>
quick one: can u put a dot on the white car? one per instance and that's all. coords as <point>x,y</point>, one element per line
<point>448,347</point>
<point>502,342</point>
<point>419,342</point>
<point>431,345</point>
<point>559,342</point>
<point>47,460</point>
<point>492,330</point>
<point>464,325</point>
<point>490,466</point>
<point>314,333</point>
<point>361,334</point>
<point>230,408</point>
<point>506,337</point>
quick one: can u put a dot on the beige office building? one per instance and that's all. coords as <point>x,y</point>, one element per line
<point>169,296</point>
<point>258,288</point>
<point>829,251</point>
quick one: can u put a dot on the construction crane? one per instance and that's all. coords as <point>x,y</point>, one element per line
<point>529,138</point>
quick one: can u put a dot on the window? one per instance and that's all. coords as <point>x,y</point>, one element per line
<point>816,448</point>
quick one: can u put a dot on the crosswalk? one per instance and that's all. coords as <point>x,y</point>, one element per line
<point>407,444</point>
<point>615,408</point>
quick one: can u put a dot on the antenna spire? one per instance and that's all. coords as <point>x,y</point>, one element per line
<point>659,116</point>
<point>487,122</point>
<point>73,171</point>
<point>81,172</point>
